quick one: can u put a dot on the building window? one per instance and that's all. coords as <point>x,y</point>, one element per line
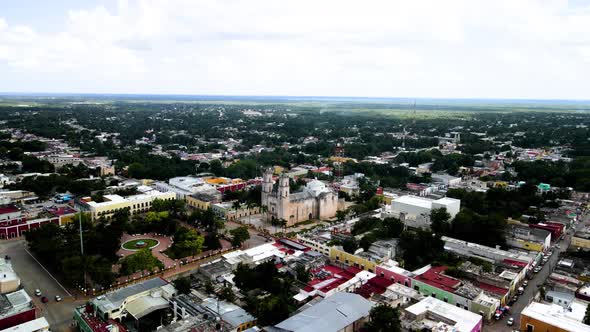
<point>433,295</point>
<point>530,328</point>
<point>458,305</point>
<point>417,288</point>
<point>446,300</point>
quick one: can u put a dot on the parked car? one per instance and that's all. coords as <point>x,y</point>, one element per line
<point>58,298</point>
<point>37,292</point>
<point>513,300</point>
<point>44,299</point>
<point>525,283</point>
<point>537,269</point>
<point>510,321</point>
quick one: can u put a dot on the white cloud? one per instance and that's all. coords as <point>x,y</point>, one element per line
<point>453,48</point>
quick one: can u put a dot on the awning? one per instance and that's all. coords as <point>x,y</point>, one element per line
<point>145,305</point>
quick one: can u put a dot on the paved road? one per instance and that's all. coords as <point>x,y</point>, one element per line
<point>33,276</point>
<point>534,284</point>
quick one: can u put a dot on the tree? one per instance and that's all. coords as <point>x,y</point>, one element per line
<point>278,223</point>
<point>239,235</point>
<point>236,205</point>
<point>383,318</point>
<point>341,215</point>
<point>137,170</point>
<point>183,285</point>
<point>216,168</point>
<point>250,206</point>
<point>350,245</point>
<point>227,294</point>
<point>367,240</point>
<point>302,274</point>
<point>187,242</point>
<point>140,261</point>
<point>33,164</point>
<point>390,228</point>
<point>419,248</point>
<point>439,221</point>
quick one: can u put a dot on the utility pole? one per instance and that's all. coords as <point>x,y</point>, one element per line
<point>81,241</point>
<point>82,249</point>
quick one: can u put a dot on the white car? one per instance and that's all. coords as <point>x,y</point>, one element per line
<point>537,269</point>
<point>510,321</point>
<point>37,292</point>
<point>58,298</point>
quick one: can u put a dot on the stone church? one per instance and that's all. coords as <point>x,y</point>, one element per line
<point>315,201</point>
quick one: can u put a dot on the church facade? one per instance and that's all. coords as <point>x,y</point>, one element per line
<point>315,201</point>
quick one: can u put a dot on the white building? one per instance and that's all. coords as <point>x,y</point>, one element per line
<point>446,179</point>
<point>415,211</point>
<point>137,300</point>
<point>433,314</point>
<point>10,281</point>
<point>554,318</point>
<point>184,186</point>
<point>61,160</point>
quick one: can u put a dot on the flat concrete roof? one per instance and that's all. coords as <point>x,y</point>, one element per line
<point>464,320</point>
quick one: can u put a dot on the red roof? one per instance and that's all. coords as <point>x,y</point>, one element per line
<point>375,285</point>
<point>337,276</point>
<point>513,262</point>
<point>435,277</point>
<point>491,288</point>
<point>60,211</point>
<point>8,209</point>
<point>321,169</point>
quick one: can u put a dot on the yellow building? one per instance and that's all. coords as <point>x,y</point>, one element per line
<point>228,212</point>
<point>500,184</point>
<point>361,262</point>
<point>106,170</point>
<point>341,159</point>
<point>278,169</point>
<point>135,204</point>
<point>581,239</point>
<point>203,200</point>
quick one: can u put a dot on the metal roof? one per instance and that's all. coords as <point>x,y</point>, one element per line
<point>114,299</point>
<point>145,305</point>
<point>331,314</point>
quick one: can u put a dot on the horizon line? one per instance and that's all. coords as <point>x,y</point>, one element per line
<point>72,94</point>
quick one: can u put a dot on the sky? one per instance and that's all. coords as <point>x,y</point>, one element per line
<point>531,49</point>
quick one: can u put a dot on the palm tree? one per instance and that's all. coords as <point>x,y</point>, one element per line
<point>250,206</point>
<point>236,205</point>
<point>283,223</point>
<point>264,211</point>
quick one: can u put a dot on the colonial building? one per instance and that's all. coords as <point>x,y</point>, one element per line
<point>315,201</point>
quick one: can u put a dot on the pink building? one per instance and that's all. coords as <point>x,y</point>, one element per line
<point>391,271</point>
<point>13,224</point>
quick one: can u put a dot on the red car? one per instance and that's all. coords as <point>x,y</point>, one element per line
<point>44,299</point>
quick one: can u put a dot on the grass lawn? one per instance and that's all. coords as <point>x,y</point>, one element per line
<point>132,245</point>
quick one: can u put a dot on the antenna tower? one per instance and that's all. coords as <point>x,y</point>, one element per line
<point>339,164</point>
